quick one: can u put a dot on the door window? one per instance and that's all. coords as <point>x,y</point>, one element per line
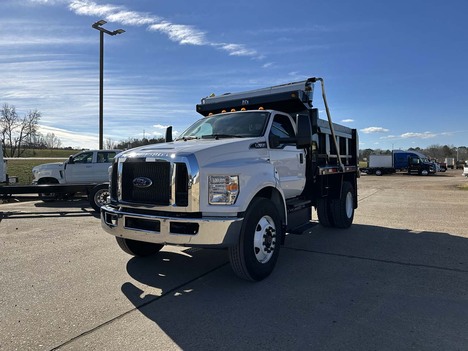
<point>85,157</point>
<point>282,128</point>
<point>105,157</point>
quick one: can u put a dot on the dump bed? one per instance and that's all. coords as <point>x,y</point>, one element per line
<point>290,98</point>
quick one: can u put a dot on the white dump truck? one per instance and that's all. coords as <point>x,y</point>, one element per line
<point>241,178</point>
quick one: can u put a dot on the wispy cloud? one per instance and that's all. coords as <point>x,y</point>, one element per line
<point>236,49</point>
<point>180,33</point>
<point>371,130</point>
<point>113,13</point>
<point>69,138</point>
<point>425,135</point>
<point>349,120</point>
<point>413,135</point>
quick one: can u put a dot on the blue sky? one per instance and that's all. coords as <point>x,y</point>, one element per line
<point>396,71</point>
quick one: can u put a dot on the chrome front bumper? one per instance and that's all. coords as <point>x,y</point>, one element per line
<point>203,232</point>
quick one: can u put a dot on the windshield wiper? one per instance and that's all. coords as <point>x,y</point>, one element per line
<point>189,137</point>
<point>217,136</point>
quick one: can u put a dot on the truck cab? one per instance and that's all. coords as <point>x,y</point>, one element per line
<point>420,165</point>
<point>85,167</point>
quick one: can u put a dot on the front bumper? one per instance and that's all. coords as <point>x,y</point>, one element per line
<point>202,232</point>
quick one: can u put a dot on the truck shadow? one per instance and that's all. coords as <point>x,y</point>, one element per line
<point>368,287</point>
<point>76,203</point>
<point>65,208</point>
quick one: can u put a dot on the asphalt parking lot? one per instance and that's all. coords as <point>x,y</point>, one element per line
<point>396,280</point>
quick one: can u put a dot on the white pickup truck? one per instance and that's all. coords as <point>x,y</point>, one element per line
<point>86,172</point>
<point>86,167</point>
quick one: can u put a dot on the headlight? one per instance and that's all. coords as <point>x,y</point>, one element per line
<point>222,189</point>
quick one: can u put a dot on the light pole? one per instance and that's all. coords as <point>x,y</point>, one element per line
<point>98,25</point>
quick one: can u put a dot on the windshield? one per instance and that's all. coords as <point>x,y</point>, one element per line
<point>228,125</point>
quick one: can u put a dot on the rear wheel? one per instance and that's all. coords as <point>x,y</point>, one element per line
<point>343,208</point>
<point>324,212</point>
<point>378,172</point>
<point>98,196</point>
<point>256,252</point>
<point>138,248</point>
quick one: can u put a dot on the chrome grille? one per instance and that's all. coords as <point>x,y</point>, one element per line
<point>170,182</point>
<point>158,193</point>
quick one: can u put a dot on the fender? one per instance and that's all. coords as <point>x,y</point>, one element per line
<point>257,178</point>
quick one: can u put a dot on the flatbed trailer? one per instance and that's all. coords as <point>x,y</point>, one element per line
<point>97,194</point>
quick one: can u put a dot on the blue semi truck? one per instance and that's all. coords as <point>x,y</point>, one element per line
<point>412,162</point>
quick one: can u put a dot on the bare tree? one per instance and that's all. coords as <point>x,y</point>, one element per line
<point>51,141</point>
<point>109,144</point>
<point>28,130</point>
<point>8,124</point>
<point>16,131</point>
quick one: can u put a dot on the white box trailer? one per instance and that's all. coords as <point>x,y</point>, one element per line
<point>381,161</point>
<point>450,161</point>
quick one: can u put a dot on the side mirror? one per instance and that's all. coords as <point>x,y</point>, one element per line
<point>304,132</point>
<point>169,134</point>
<point>70,160</point>
<point>274,141</point>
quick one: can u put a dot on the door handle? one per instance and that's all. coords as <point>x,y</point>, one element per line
<point>301,158</point>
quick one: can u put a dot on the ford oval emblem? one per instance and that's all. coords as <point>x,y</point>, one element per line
<point>142,182</point>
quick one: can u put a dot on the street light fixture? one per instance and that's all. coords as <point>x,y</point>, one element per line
<point>98,25</point>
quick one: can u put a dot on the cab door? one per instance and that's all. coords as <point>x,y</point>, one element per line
<point>289,161</point>
<point>104,160</point>
<point>79,170</point>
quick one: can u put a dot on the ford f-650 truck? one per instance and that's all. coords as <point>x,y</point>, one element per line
<point>240,178</point>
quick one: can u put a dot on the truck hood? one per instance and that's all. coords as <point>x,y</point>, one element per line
<point>207,151</point>
<point>48,166</point>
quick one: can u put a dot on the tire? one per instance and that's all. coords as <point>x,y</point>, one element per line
<point>98,196</point>
<point>424,172</point>
<point>324,212</point>
<point>378,172</point>
<point>256,252</point>
<point>48,197</point>
<point>138,248</point>
<point>343,208</point>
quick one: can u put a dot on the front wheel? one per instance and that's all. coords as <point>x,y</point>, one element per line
<point>138,248</point>
<point>256,252</point>
<point>424,172</point>
<point>48,197</point>
<point>343,208</point>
